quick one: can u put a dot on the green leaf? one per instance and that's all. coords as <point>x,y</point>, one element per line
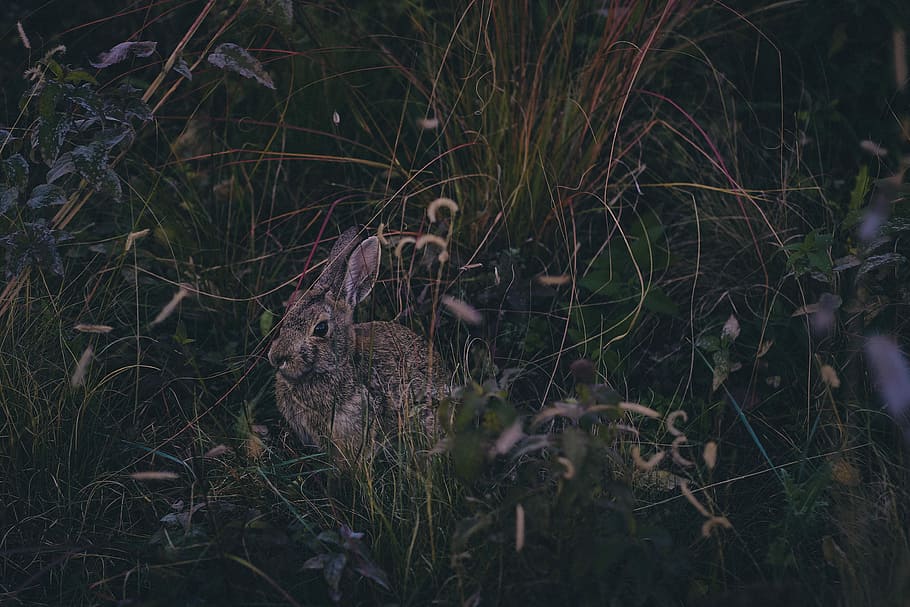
<point>861,187</point>
<point>46,195</point>
<point>183,68</point>
<point>92,163</point>
<point>661,303</point>
<point>721,368</point>
<point>79,76</point>
<point>709,343</point>
<point>52,132</point>
<point>8,198</point>
<point>15,170</point>
<point>266,322</point>
<point>47,102</point>
<point>54,67</point>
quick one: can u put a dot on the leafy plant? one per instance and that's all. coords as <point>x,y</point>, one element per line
<point>74,128</point>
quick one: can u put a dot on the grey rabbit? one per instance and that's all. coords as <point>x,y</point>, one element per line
<point>338,382</point>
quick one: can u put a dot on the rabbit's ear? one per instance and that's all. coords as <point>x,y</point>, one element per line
<point>334,270</point>
<point>363,268</point>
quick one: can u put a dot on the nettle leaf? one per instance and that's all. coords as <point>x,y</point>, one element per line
<point>92,163</point>
<point>85,97</point>
<point>63,166</point>
<point>8,198</point>
<point>124,51</point>
<point>126,103</point>
<point>46,195</point>
<point>47,101</point>
<point>15,170</point>
<point>877,262</point>
<point>183,68</point>
<point>721,369</point>
<point>36,244</point>
<point>51,134</point>
<point>229,56</point>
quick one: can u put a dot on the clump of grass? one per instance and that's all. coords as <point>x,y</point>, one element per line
<point>551,198</point>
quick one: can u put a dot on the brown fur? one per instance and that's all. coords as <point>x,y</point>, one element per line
<point>358,380</point>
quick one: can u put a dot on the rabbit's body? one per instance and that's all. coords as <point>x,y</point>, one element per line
<point>340,382</point>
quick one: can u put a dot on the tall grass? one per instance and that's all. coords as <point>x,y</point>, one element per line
<point>619,198</point>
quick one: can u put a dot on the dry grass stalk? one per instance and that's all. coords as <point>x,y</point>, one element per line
<point>640,409</point>
<point>25,41</point>
<point>401,242</point>
<point>439,242</point>
<point>554,281</point>
<point>709,455</point>
<point>676,455</point>
<point>671,422</point>
<point>440,202</point>
<point>428,124</point>
<point>464,312</point>
<point>829,376</point>
<point>216,451</point>
<point>519,527</point>
<point>690,497</point>
<point>154,475</point>
<point>134,236</point>
<point>646,464</point>
<point>171,306</point>
<point>88,328</point>
<point>78,377</point>
<point>568,465</point>
<point>713,522</point>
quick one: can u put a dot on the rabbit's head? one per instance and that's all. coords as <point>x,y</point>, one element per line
<point>317,332</point>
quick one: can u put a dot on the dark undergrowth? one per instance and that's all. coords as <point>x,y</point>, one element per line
<point>669,274</point>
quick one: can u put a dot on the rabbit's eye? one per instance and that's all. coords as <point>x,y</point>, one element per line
<point>321,328</point>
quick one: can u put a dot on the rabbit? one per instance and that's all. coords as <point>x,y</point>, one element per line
<point>339,383</point>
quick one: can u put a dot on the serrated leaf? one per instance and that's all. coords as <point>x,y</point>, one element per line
<point>229,56</point>
<point>127,103</point>
<point>84,97</point>
<point>46,195</point>
<point>36,244</point>
<point>711,343</point>
<point>63,166</point>
<point>92,163</point>
<point>47,102</point>
<point>124,51</point>
<point>721,369</point>
<point>15,170</point>
<point>9,196</point>
<point>880,261</point>
<point>51,134</point>
<point>183,68</point>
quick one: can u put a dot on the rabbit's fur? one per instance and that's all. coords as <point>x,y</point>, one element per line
<point>339,382</point>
